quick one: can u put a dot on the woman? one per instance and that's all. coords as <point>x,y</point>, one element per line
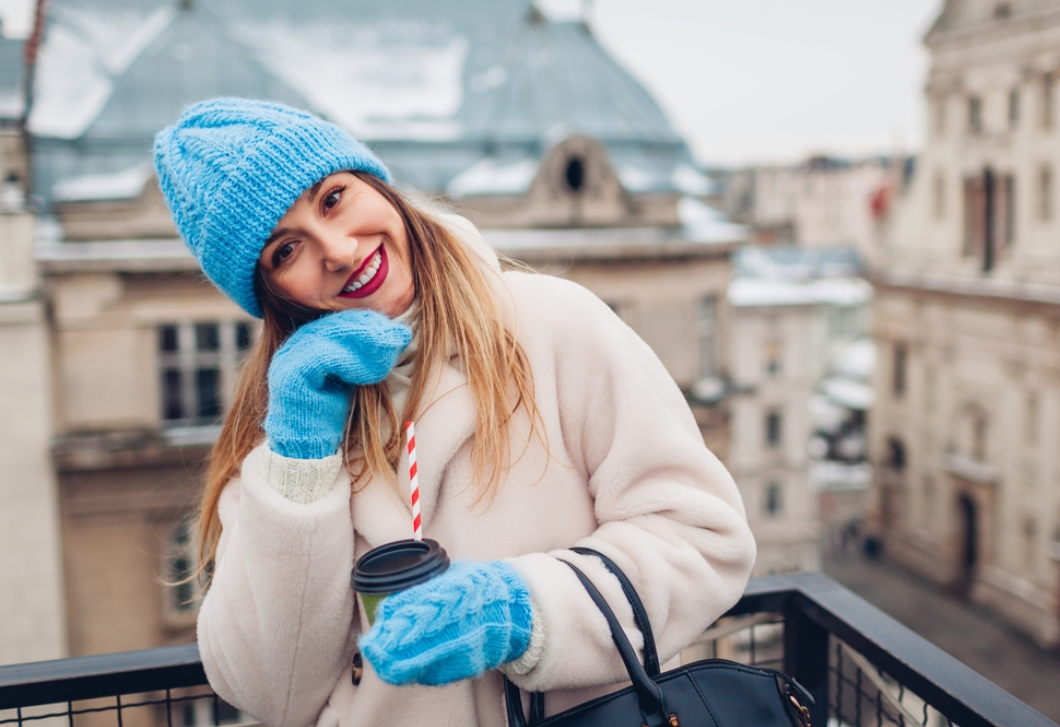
<point>543,422</point>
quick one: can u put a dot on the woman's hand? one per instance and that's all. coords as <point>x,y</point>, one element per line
<point>473,617</point>
<point>313,373</point>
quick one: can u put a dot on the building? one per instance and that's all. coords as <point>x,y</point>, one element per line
<point>795,311</point>
<point>823,202</point>
<point>526,125</point>
<point>32,615</point>
<point>967,321</point>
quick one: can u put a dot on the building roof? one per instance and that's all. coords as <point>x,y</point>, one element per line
<point>12,76</point>
<point>958,15</point>
<point>434,88</point>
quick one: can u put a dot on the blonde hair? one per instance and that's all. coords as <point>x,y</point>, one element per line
<point>458,309</point>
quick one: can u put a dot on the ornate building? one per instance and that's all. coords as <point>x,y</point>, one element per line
<point>528,126</point>
<point>967,321</point>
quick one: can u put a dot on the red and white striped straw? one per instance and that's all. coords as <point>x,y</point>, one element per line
<point>414,483</point>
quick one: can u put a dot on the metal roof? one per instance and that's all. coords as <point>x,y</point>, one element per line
<point>12,72</point>
<point>434,88</point>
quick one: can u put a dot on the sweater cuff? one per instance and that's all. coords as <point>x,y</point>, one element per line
<point>299,480</point>
<point>529,658</point>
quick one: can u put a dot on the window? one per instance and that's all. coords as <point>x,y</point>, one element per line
<point>979,432</point>
<point>940,116</point>
<point>707,330</point>
<point>1030,538</point>
<point>845,320</point>
<point>1030,423</point>
<point>180,564</point>
<point>774,500</point>
<point>773,359</point>
<point>989,215</point>
<point>1013,108</point>
<point>197,363</point>
<point>901,355</point>
<point>974,195</point>
<point>1045,193</point>
<point>574,174</point>
<point>896,454</point>
<point>975,114</point>
<point>940,195</point>
<point>1047,101</point>
<point>1006,210</point>
<point>773,429</point>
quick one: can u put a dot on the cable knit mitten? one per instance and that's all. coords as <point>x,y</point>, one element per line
<point>473,617</point>
<point>313,372</point>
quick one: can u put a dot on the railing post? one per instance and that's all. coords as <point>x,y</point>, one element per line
<point>806,658</point>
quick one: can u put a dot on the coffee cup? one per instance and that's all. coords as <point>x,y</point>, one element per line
<point>393,567</point>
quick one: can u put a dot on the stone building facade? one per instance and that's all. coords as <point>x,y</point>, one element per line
<point>32,618</point>
<point>967,321</point>
<point>822,202</point>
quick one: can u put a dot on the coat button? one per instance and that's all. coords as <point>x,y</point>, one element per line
<point>358,668</point>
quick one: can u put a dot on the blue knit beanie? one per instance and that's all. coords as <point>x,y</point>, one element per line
<point>232,167</point>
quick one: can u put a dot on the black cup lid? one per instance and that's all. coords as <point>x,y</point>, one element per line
<point>395,566</point>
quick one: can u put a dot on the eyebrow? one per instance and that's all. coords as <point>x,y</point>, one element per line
<point>280,232</point>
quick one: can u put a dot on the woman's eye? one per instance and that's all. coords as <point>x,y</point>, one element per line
<point>282,252</point>
<point>332,198</point>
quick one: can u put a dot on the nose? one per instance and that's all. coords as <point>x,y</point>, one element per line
<point>339,251</point>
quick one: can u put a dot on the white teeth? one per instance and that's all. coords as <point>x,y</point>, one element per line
<point>369,273</point>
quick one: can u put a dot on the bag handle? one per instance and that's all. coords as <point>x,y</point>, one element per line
<point>640,614</point>
<point>649,696</point>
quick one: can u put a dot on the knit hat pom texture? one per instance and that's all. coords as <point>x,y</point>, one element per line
<point>231,168</point>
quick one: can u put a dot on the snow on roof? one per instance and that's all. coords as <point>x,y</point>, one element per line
<point>635,179</point>
<point>83,51</point>
<point>848,393</point>
<point>778,292</point>
<point>691,181</point>
<point>796,263</point>
<point>126,184</point>
<point>494,176</point>
<point>705,224</point>
<point>826,415</point>
<point>856,360</point>
<point>397,80</point>
<point>11,105</point>
<point>829,475</point>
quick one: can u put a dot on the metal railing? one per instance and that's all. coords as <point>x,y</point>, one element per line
<point>862,667</point>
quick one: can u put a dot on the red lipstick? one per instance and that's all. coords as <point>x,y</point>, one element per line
<point>372,285</point>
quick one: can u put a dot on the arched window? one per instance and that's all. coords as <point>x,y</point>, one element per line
<point>574,174</point>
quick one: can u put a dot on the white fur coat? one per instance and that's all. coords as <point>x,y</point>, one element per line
<point>626,473</point>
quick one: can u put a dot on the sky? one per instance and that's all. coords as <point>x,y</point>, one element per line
<point>757,81</point>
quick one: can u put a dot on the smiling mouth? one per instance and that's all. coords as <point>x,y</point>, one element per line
<point>367,278</point>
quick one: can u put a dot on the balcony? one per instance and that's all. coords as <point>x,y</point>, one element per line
<point>862,667</point>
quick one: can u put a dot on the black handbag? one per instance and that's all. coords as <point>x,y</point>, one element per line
<point>711,692</point>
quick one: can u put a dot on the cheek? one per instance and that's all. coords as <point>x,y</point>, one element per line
<point>297,282</point>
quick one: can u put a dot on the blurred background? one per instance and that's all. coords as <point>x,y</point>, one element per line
<point>836,223</point>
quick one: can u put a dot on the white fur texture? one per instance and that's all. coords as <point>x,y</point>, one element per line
<point>628,475</point>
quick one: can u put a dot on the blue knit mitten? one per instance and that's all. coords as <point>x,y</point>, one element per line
<point>313,372</point>
<point>473,617</point>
